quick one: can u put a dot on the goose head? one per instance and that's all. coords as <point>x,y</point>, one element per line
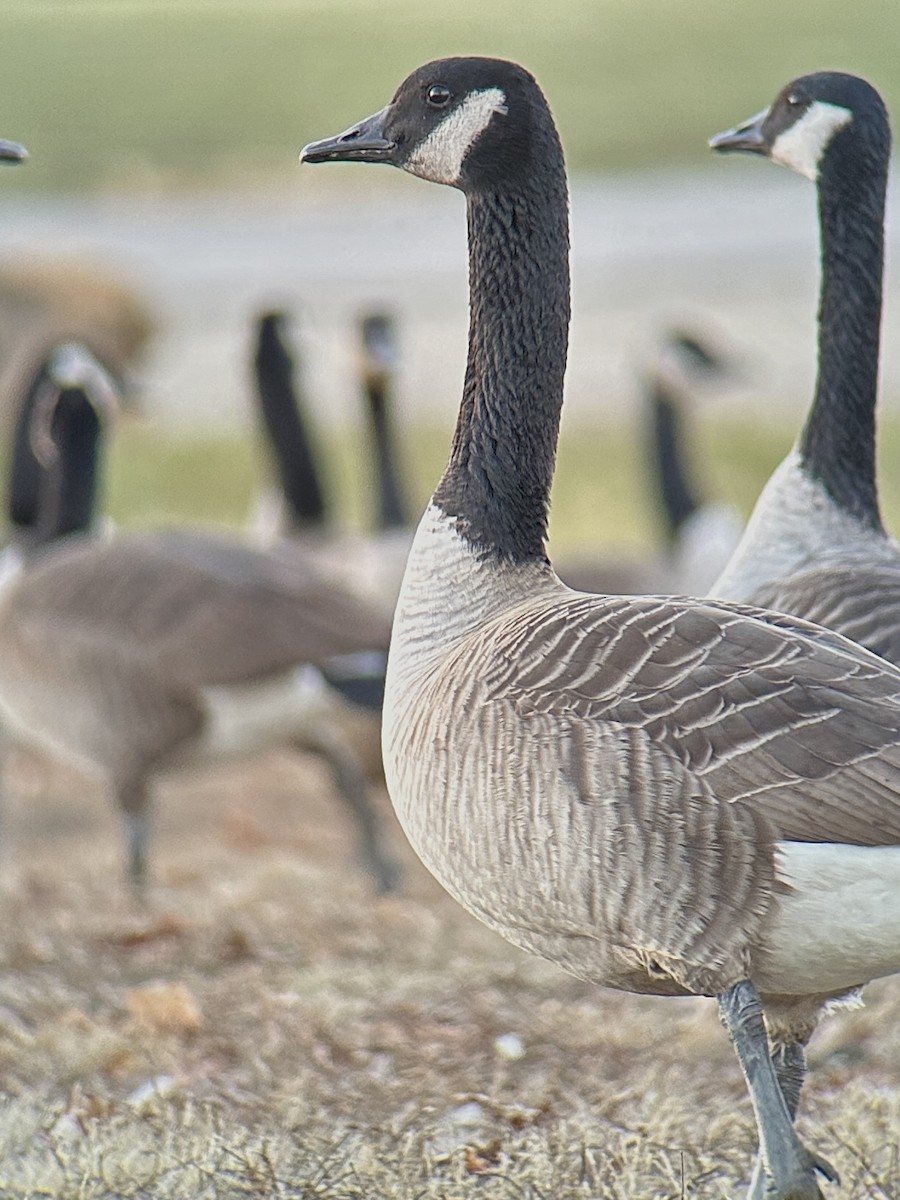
<point>12,152</point>
<point>472,123</point>
<point>827,117</point>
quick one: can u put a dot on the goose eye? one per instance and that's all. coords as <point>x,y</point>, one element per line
<point>794,101</point>
<point>438,96</point>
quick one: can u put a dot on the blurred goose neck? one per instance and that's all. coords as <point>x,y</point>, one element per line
<point>497,482</point>
<point>837,445</point>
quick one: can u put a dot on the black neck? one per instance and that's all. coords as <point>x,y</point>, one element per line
<point>280,409</point>
<point>837,445</point>
<point>25,471</point>
<point>393,510</point>
<point>667,455</point>
<point>68,491</point>
<point>497,482</point>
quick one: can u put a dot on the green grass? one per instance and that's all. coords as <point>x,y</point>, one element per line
<point>138,92</point>
<point>599,496</point>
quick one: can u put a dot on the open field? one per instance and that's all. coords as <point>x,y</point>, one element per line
<point>147,93</point>
<point>267,1028</point>
<point>264,1026</point>
<point>599,503</point>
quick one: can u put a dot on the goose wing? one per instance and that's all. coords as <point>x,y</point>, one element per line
<point>778,714</point>
<point>861,601</point>
<point>198,610</point>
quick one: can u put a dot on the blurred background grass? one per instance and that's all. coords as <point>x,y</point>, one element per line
<point>162,96</point>
<point>113,92</point>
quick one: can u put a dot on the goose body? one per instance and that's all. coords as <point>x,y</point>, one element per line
<point>135,654</point>
<point>628,786</point>
<point>815,544</point>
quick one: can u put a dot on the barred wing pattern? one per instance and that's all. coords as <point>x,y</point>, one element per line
<point>603,779</point>
<point>861,601</point>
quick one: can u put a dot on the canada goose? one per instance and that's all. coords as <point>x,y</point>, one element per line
<point>370,564</point>
<point>300,504</point>
<point>699,536</point>
<point>377,368</point>
<point>662,795</point>
<point>12,152</point>
<point>137,653</point>
<point>815,544</point>
<point>50,495</point>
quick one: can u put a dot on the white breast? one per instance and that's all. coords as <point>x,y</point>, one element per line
<point>794,525</point>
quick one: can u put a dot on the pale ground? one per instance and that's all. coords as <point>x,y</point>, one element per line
<point>266,1027</point>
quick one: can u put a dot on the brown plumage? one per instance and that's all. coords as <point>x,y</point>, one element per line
<point>138,653</point>
<point>659,794</point>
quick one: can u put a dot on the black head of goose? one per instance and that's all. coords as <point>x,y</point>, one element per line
<point>137,653</point>
<point>815,544</point>
<point>12,152</point>
<point>651,792</point>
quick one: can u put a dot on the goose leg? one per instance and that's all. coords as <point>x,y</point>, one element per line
<point>789,1062</point>
<point>789,1168</point>
<point>353,789</point>
<point>134,802</point>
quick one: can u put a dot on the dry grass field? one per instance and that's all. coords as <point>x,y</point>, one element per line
<point>266,1027</point>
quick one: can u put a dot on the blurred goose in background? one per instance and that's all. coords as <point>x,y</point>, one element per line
<point>66,403</point>
<point>662,795</point>
<point>378,358</point>
<point>699,535</point>
<point>137,653</point>
<point>368,564</point>
<point>815,544</point>
<point>299,503</point>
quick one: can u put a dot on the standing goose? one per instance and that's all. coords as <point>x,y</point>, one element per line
<point>662,795</point>
<point>815,544</point>
<point>140,653</point>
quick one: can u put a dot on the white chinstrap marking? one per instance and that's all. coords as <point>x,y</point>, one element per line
<point>440,156</point>
<point>840,923</point>
<point>802,146</point>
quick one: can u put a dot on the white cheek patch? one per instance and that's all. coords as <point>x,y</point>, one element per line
<point>439,158</point>
<point>802,146</point>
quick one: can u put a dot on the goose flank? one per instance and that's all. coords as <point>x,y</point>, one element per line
<point>661,795</point>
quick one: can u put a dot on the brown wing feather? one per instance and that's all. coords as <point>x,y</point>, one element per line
<point>861,602</point>
<point>198,610</point>
<point>806,730</point>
